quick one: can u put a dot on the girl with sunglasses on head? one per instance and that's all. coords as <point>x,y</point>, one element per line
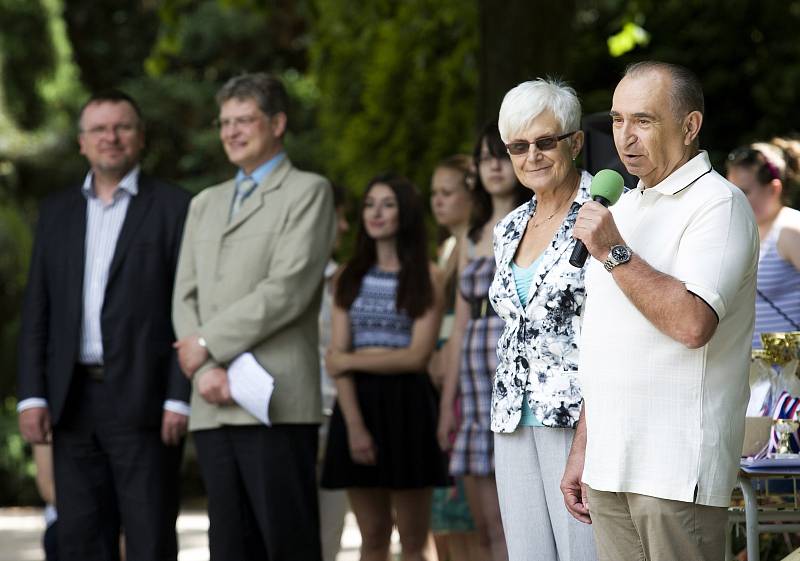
<point>766,173</point>
<point>472,345</point>
<point>382,439</point>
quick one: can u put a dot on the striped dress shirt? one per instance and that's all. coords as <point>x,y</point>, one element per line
<point>103,225</point>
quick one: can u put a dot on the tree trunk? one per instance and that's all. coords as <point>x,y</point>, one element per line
<point>520,40</point>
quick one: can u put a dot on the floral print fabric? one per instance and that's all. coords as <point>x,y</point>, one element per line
<point>537,351</point>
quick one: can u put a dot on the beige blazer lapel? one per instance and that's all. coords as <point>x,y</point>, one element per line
<point>256,200</point>
<point>220,207</point>
<point>223,202</point>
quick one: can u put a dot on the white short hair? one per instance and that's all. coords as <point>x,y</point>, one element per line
<point>523,103</point>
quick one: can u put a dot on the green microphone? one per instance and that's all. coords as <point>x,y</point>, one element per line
<point>606,189</point>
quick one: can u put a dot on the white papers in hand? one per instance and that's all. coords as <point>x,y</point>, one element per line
<point>251,386</point>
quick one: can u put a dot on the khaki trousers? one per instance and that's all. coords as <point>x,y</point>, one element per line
<point>631,527</point>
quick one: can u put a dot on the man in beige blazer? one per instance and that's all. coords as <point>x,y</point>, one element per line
<point>249,279</point>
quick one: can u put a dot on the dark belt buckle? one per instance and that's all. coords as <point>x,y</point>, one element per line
<point>94,373</point>
<point>481,309</point>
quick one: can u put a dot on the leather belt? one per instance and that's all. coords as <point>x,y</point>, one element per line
<point>481,309</point>
<point>94,372</point>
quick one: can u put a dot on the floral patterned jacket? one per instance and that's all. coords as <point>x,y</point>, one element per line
<point>538,349</point>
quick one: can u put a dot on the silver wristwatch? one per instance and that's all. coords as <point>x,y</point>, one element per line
<point>618,255</point>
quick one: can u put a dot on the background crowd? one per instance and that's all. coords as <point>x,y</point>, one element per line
<point>386,261</point>
<point>112,396</point>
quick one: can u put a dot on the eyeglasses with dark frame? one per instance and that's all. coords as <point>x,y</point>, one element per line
<point>520,147</point>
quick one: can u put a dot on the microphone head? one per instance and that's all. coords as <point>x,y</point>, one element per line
<point>607,184</point>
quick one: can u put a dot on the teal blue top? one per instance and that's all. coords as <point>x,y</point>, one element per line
<point>523,278</point>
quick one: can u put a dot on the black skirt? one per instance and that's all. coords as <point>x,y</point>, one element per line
<point>401,412</point>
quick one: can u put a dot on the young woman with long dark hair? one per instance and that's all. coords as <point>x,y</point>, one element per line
<point>382,444</point>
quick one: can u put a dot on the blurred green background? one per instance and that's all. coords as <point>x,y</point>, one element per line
<point>376,85</point>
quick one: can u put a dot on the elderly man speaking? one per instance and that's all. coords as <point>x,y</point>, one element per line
<point>665,343</point>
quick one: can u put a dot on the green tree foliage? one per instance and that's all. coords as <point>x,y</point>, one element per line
<point>200,45</point>
<point>16,465</point>
<point>110,39</point>
<point>15,247</point>
<point>26,56</point>
<point>213,40</point>
<point>30,133</point>
<point>520,40</point>
<point>16,485</point>
<point>747,61</point>
<point>397,84</point>
<point>744,52</point>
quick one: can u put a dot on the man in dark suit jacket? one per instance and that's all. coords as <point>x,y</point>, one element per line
<point>95,356</point>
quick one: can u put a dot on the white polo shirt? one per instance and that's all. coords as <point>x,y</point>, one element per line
<point>664,420</point>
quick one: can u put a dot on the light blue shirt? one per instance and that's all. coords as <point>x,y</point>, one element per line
<point>259,173</point>
<point>523,278</point>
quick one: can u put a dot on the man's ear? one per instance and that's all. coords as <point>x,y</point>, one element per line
<point>278,123</point>
<point>691,127</point>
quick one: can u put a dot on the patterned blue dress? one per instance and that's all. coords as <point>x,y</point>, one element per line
<point>399,410</point>
<point>473,450</point>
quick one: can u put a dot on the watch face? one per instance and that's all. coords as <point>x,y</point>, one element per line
<point>620,253</point>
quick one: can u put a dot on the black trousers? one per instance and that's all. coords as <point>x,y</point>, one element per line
<point>50,542</point>
<point>262,492</point>
<point>109,478</point>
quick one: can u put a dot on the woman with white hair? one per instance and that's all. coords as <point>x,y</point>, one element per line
<point>536,399</point>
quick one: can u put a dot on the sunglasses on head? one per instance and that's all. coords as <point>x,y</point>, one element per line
<point>749,156</point>
<point>744,155</point>
<point>519,147</point>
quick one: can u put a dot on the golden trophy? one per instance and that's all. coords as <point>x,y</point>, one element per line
<point>780,347</point>
<point>785,428</point>
<point>793,339</point>
<point>761,354</point>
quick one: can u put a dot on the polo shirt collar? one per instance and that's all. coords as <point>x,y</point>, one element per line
<point>129,183</point>
<point>682,177</point>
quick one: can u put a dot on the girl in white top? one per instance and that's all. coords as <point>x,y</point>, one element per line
<point>764,171</point>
